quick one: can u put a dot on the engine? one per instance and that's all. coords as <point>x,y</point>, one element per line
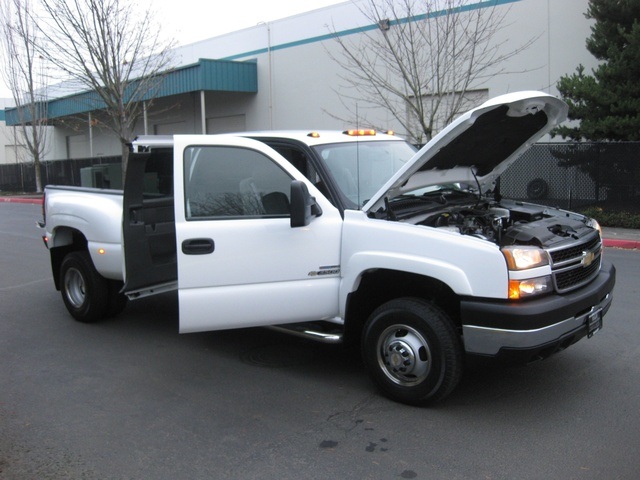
<point>484,224</point>
<point>511,223</point>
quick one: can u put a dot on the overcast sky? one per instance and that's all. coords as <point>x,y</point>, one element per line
<point>191,20</point>
<point>195,20</point>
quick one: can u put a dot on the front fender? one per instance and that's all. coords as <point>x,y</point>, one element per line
<point>362,262</point>
<point>468,266</point>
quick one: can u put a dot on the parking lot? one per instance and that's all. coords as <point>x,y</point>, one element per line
<point>130,398</point>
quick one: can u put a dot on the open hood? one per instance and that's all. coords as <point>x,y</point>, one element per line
<point>478,146</point>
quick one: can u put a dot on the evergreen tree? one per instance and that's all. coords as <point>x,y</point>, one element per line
<point>607,103</point>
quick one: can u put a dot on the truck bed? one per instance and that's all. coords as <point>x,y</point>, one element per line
<point>93,214</point>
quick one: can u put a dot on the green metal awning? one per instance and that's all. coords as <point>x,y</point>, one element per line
<point>205,75</point>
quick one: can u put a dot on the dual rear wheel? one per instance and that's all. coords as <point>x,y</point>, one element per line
<point>88,296</point>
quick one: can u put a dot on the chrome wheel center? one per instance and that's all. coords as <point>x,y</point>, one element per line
<point>404,355</point>
<point>75,288</point>
<point>400,357</point>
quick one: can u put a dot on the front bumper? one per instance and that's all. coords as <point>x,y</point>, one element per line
<point>536,328</point>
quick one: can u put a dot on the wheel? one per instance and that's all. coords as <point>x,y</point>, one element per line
<point>84,291</point>
<point>412,351</point>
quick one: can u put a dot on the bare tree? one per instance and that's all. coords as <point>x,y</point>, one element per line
<point>24,74</point>
<point>426,61</point>
<point>112,50</point>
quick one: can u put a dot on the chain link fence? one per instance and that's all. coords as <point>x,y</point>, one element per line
<point>20,177</point>
<point>565,175</point>
<point>574,176</point>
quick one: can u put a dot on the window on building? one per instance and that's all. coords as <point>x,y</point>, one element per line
<point>15,153</point>
<point>228,124</point>
<point>78,146</point>
<point>172,128</point>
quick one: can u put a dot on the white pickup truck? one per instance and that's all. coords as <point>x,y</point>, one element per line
<point>344,237</point>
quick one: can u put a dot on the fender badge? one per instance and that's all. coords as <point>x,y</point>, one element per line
<point>331,270</point>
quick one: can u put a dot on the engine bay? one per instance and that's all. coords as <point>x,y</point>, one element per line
<point>503,222</point>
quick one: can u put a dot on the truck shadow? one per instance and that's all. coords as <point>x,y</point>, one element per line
<point>255,349</point>
<point>258,347</point>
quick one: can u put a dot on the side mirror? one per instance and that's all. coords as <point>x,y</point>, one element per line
<point>303,205</point>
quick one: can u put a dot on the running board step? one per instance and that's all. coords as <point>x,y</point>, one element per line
<point>324,332</point>
<point>148,291</point>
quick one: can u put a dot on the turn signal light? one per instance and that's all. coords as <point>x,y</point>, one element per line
<point>529,287</point>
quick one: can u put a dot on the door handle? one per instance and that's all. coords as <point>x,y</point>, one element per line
<point>198,246</point>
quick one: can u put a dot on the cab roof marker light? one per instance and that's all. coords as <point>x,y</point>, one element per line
<point>313,135</point>
<point>369,132</point>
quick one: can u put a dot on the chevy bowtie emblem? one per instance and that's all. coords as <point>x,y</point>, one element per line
<point>587,258</point>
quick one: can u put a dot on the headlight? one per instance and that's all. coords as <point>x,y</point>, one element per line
<point>523,258</point>
<point>529,287</point>
<point>593,223</point>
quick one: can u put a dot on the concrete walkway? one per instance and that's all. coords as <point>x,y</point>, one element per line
<point>612,237</point>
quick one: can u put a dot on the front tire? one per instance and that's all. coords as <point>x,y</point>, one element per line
<point>412,351</point>
<point>84,291</point>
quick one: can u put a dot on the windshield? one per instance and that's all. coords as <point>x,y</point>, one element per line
<point>360,169</point>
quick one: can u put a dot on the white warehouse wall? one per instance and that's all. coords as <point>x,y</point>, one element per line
<point>299,83</point>
<point>304,91</point>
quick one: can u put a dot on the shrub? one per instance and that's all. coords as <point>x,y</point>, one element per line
<point>610,218</point>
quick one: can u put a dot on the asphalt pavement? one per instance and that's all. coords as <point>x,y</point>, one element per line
<point>130,399</point>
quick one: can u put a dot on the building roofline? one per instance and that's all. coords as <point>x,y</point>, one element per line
<point>205,75</point>
<point>353,31</point>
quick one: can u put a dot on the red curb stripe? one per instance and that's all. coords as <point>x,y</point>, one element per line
<point>35,201</point>
<point>629,244</point>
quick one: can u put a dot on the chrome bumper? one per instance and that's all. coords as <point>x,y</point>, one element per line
<point>489,341</point>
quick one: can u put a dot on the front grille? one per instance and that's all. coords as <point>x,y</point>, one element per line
<point>576,276</point>
<point>577,264</point>
<point>574,251</point>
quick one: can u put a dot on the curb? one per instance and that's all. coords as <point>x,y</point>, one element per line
<point>34,201</point>
<point>627,244</point>
<point>607,242</point>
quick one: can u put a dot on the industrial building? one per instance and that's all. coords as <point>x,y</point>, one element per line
<point>283,75</point>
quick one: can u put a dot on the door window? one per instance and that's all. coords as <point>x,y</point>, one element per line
<point>233,182</point>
